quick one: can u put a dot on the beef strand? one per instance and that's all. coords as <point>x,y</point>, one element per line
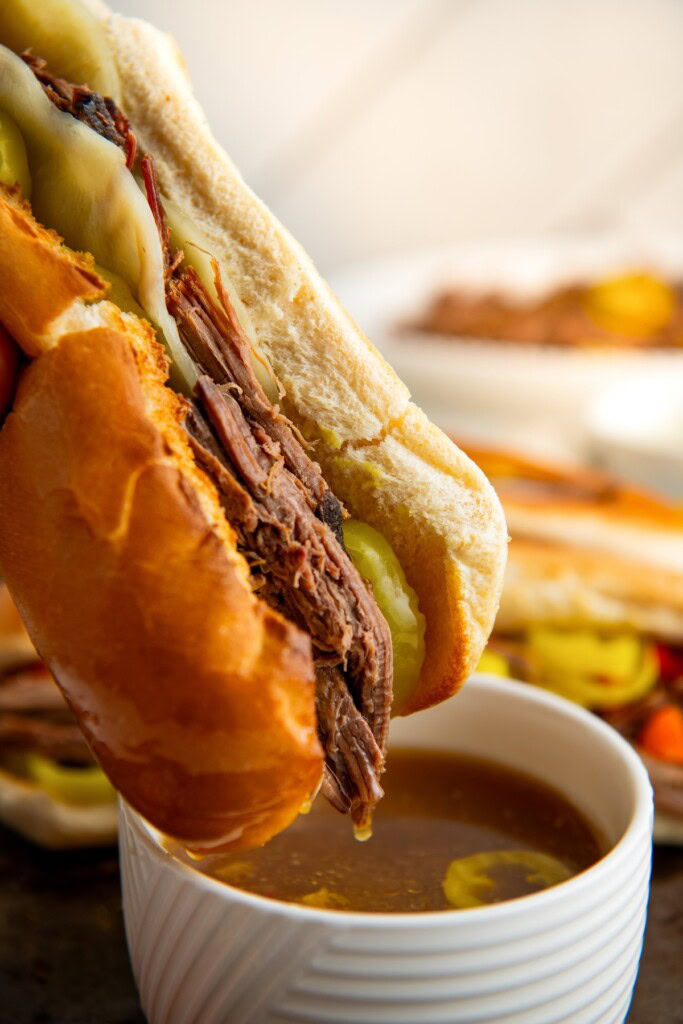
<point>279,504</point>
<point>218,344</point>
<point>288,521</point>
<point>319,583</point>
<point>306,576</point>
<point>353,761</point>
<point>99,112</point>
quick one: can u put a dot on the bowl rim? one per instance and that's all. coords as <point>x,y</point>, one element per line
<point>641,820</point>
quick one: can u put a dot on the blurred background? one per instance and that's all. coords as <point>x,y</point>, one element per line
<point>420,146</point>
<point>373,128</point>
<point>495,189</point>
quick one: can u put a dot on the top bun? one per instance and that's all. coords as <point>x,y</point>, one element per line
<point>379,452</point>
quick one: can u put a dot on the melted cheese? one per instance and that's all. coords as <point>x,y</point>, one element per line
<point>66,35</point>
<point>83,189</point>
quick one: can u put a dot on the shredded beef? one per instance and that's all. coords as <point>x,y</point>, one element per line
<point>667,783</point>
<point>99,112</point>
<point>218,344</point>
<point>330,512</point>
<point>30,689</point>
<point>320,584</point>
<point>306,575</point>
<point>302,569</point>
<point>288,521</point>
<point>353,762</point>
<point>61,741</point>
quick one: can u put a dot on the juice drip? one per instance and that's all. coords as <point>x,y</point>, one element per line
<point>363,832</point>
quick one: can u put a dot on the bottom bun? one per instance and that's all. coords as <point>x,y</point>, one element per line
<point>39,817</point>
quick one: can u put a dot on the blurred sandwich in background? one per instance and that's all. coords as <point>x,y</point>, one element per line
<point>51,790</point>
<point>592,607</point>
<point>632,309</point>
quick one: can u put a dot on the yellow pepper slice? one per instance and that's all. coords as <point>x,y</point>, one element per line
<point>494,664</point>
<point>375,560</point>
<point>632,304</point>
<point>584,652</point>
<point>594,671</point>
<point>596,694</point>
<point>468,882</point>
<point>13,159</point>
<point>82,786</point>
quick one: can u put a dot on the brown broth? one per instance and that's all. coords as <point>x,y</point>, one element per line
<point>437,807</point>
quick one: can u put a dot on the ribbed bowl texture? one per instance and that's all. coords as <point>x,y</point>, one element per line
<point>205,953</point>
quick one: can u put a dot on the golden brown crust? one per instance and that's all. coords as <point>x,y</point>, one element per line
<point>195,697</point>
<point>526,484</point>
<point>449,658</point>
<point>16,648</point>
<point>29,311</point>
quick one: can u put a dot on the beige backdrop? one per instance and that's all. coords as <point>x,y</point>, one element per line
<point>376,126</point>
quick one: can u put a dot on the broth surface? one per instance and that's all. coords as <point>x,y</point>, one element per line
<point>438,808</point>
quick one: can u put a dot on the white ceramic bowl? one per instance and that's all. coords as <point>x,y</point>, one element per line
<point>205,953</point>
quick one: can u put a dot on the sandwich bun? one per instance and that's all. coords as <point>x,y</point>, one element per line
<point>16,649</point>
<point>379,452</point>
<point>586,548</point>
<point>592,554</point>
<point>155,664</point>
<point>196,698</point>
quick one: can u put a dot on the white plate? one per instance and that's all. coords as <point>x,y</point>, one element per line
<point>504,394</point>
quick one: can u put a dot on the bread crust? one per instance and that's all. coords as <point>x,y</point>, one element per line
<point>26,258</point>
<point>16,649</point>
<point>585,548</point>
<point>564,585</point>
<point>195,697</point>
<point>442,517</point>
<point>536,489</point>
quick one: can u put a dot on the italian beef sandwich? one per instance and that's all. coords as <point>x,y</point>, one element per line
<point>235,542</point>
<point>592,607</point>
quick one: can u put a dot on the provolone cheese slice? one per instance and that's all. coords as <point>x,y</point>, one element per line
<point>66,35</point>
<point>83,189</point>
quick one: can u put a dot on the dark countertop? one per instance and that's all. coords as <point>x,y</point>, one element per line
<point>63,956</point>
